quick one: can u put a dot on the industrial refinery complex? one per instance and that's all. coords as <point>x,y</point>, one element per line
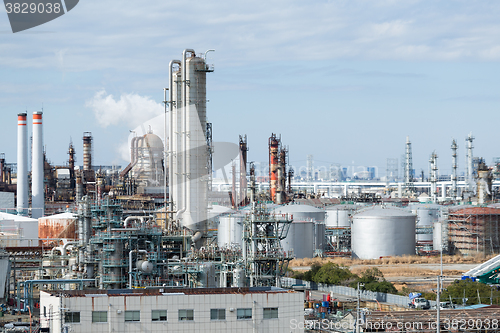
<point>164,244</point>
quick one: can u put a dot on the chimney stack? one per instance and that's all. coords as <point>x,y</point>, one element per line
<point>37,192</point>
<point>22,165</point>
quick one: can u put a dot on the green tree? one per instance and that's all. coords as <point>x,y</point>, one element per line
<point>374,280</point>
<point>332,273</point>
<point>470,289</point>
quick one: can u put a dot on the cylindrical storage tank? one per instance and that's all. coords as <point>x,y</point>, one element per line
<point>302,212</point>
<point>382,232</point>
<point>238,277</point>
<point>214,214</point>
<point>427,215</point>
<point>230,231</point>
<point>301,239</point>
<point>319,240</point>
<point>307,231</point>
<point>339,216</point>
<point>207,275</point>
<point>57,226</point>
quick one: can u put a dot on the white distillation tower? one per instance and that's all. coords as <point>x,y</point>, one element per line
<point>188,149</point>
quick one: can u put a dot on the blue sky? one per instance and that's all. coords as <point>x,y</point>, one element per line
<point>345,81</point>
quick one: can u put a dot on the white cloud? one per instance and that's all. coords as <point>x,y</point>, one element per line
<point>130,109</point>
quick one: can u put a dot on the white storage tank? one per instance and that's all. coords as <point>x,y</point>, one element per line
<point>339,216</point>
<point>383,232</point>
<point>230,231</point>
<point>214,214</point>
<point>307,231</point>
<point>427,215</point>
<point>301,238</point>
<point>302,212</point>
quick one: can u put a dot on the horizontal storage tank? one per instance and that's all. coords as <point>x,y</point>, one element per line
<point>383,232</point>
<point>230,231</point>
<point>427,215</point>
<point>339,216</point>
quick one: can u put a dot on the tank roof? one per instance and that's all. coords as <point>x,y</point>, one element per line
<point>151,141</point>
<point>7,216</point>
<point>298,209</point>
<point>66,215</point>
<point>383,211</point>
<point>344,207</point>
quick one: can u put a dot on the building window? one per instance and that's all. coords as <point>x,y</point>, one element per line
<point>270,313</point>
<point>186,314</point>
<point>72,317</point>
<point>99,316</point>
<point>132,315</point>
<point>159,315</point>
<point>244,314</point>
<point>217,314</point>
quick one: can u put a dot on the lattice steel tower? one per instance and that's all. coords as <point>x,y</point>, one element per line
<point>265,260</point>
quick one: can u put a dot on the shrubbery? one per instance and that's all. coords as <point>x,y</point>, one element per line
<point>331,273</point>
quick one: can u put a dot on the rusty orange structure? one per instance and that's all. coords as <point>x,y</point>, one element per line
<point>57,226</point>
<point>274,145</point>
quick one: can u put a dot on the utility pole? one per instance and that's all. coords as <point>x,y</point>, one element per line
<point>438,305</point>
<point>357,308</point>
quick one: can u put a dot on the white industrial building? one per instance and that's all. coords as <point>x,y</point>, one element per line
<point>18,231</point>
<point>262,309</point>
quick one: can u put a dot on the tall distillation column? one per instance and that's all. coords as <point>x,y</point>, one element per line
<point>189,150</point>
<point>470,170</point>
<point>22,164</point>
<point>243,170</point>
<point>408,167</point>
<point>454,191</point>
<point>281,189</point>
<point>434,176</point>
<point>37,190</point>
<point>274,144</point>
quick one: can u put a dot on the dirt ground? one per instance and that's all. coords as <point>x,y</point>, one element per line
<point>407,271</point>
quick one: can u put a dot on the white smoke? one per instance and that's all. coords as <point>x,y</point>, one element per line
<point>130,109</point>
<point>138,112</point>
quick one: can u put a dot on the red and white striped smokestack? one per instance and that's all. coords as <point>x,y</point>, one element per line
<point>37,193</point>
<point>22,165</point>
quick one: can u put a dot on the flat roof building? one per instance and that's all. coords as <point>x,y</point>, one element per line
<point>259,309</point>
